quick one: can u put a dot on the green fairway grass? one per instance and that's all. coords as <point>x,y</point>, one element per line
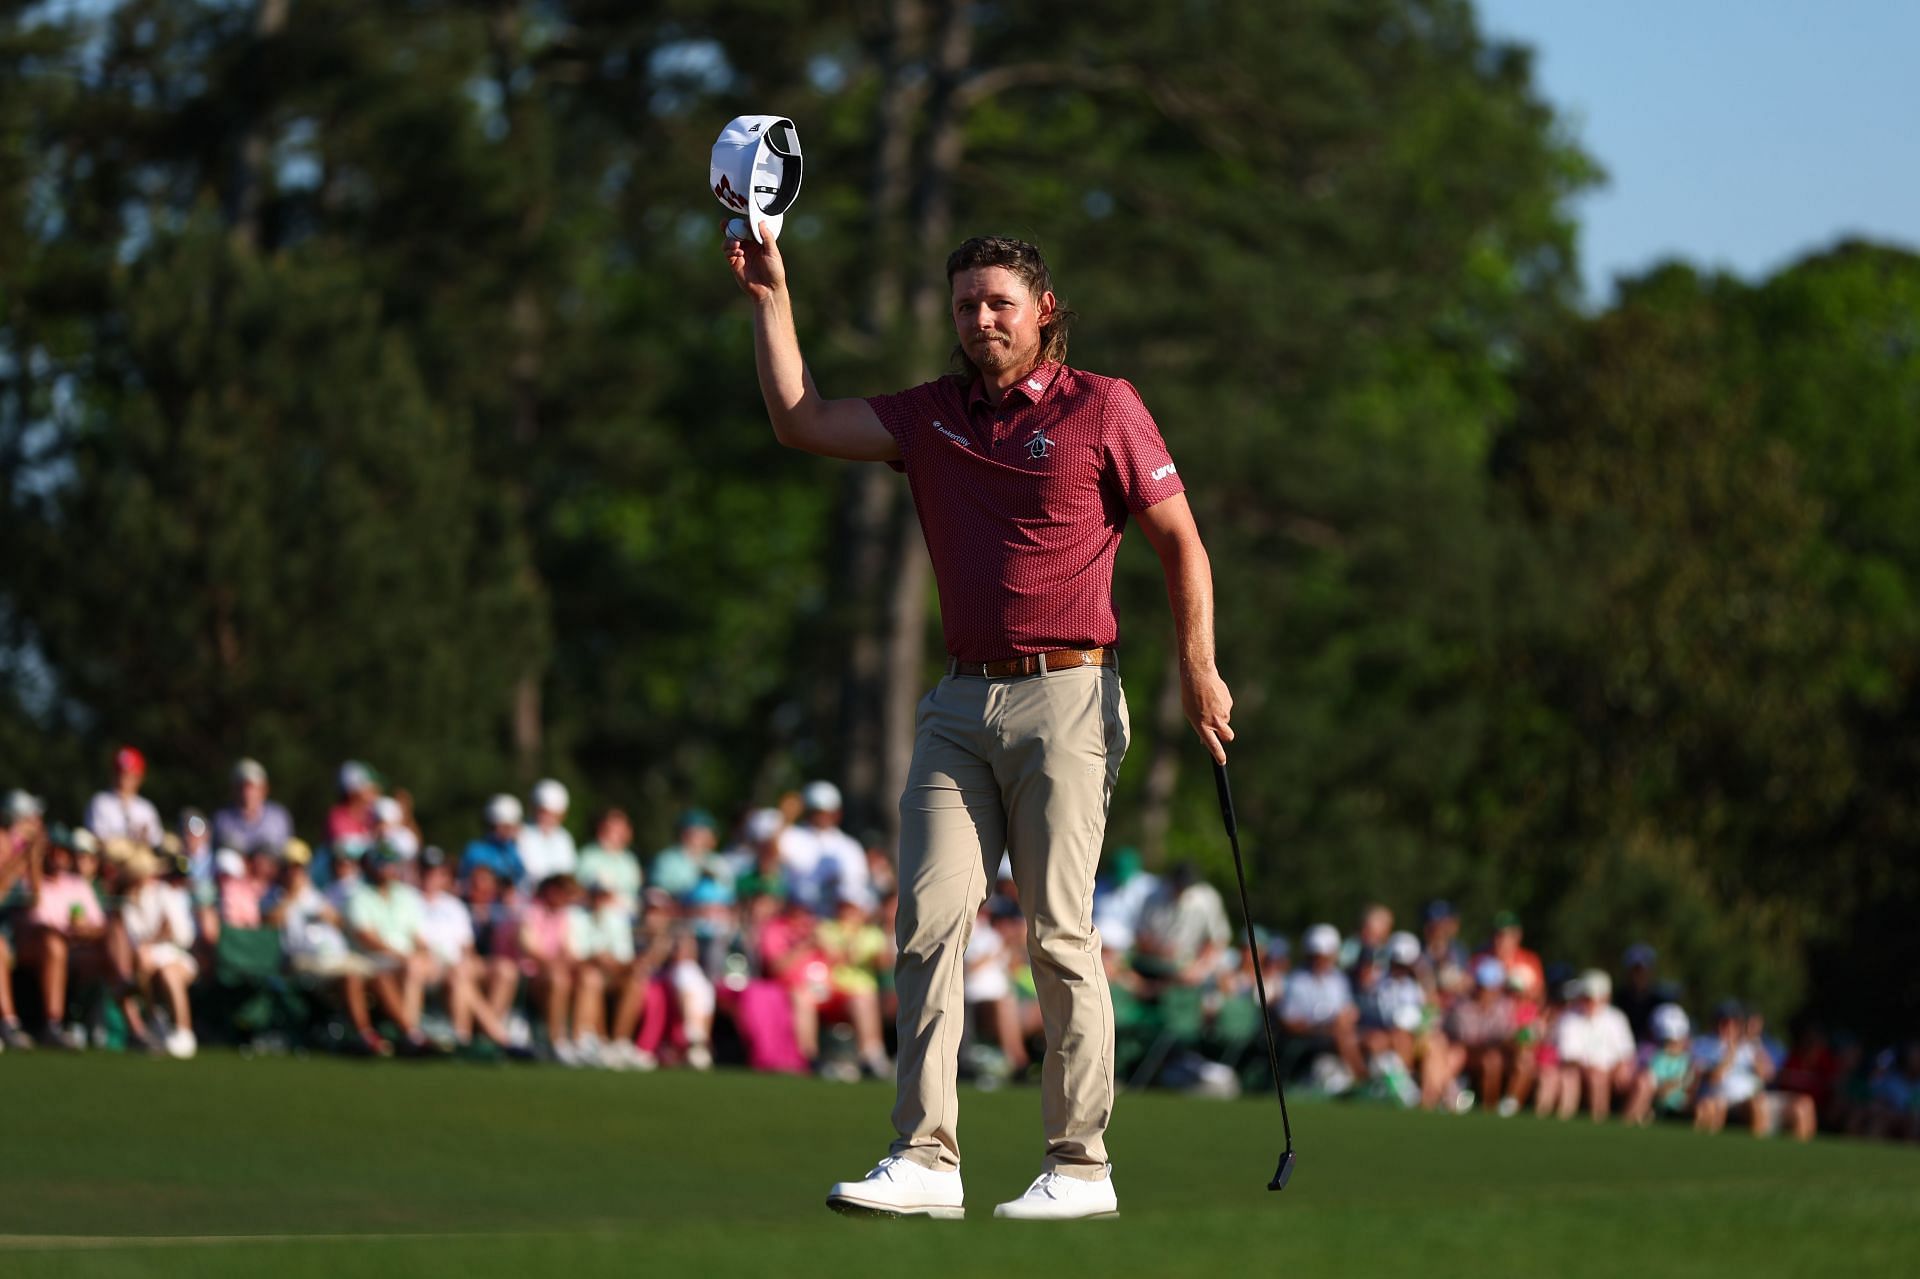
<point>226,1166</point>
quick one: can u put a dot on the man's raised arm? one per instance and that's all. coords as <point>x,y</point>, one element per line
<point>801,418</point>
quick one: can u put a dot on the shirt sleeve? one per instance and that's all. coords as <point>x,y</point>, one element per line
<point>901,413</point>
<point>1136,457</point>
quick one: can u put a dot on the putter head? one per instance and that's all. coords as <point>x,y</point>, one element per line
<point>1282,1173</point>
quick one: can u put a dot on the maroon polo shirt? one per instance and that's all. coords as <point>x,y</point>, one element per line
<point>1023,505</point>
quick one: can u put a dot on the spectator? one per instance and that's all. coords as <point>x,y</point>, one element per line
<point>158,919</point>
<point>1480,1034</point>
<point>853,946</point>
<point>690,858</point>
<point>1735,1090</point>
<point>1596,1050</point>
<point>385,921</point>
<point>550,964</point>
<point>1370,941</point>
<point>1666,1085</point>
<point>987,980</point>
<point>20,840</point>
<point>1120,899</point>
<point>764,874</point>
<point>1506,947</point>
<point>393,826</point>
<point>123,813</point>
<point>446,934</point>
<point>496,929</point>
<point>1812,1068</point>
<point>1444,969</point>
<point>610,973</point>
<point>883,875</point>
<point>65,936</point>
<point>610,862</point>
<point>252,821</point>
<point>822,860</point>
<point>313,935</point>
<point>1638,995</point>
<point>352,823</point>
<point>1394,1020</point>
<point>546,846</point>
<point>202,883</point>
<point>1318,1010</point>
<point>499,849</point>
<point>1184,930</point>
<point>239,891</point>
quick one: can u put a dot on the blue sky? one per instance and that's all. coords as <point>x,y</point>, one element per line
<point>1735,133</point>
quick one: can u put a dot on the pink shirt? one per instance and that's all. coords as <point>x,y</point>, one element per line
<point>240,903</point>
<point>543,931</point>
<point>58,897</point>
<point>1023,505</point>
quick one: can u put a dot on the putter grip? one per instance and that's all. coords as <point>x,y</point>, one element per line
<point>1226,798</point>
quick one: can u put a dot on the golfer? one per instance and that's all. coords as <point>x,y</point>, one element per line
<point>1024,472</point>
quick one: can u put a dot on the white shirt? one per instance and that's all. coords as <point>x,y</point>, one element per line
<point>1116,912</point>
<point>157,911</point>
<point>1315,998</point>
<point>304,928</point>
<point>547,852</point>
<point>1187,923</point>
<point>1602,1039</point>
<point>446,927</point>
<point>822,864</point>
<point>988,981</point>
<point>113,816</point>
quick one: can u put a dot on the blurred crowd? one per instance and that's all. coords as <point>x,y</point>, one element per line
<point>768,942</point>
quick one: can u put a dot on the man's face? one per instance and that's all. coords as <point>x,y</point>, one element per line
<point>998,319</point>
<point>252,794</point>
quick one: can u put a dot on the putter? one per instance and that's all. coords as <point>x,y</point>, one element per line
<point>1285,1170</point>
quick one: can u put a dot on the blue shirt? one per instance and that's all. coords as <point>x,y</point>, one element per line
<point>501,856</point>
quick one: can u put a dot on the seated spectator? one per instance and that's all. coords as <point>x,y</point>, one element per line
<point>610,972</point>
<point>1596,1050</point>
<point>158,919</point>
<point>609,860</point>
<point>65,936</point>
<point>1318,1010</point>
<point>1638,995</point>
<point>393,826</point>
<point>1735,1089</point>
<point>1812,1068</point>
<point>852,946</point>
<point>313,935</point>
<point>1506,947</point>
<point>549,963</point>
<point>239,890</point>
<point>351,824</point>
<point>680,997</point>
<point>821,860</point>
<point>1395,1021</point>
<point>1184,931</point>
<point>1369,941</point>
<point>763,874</point>
<point>253,821</point>
<point>123,813</point>
<point>691,857</point>
<point>1120,899</point>
<point>1480,1035</point>
<point>499,849</point>
<point>202,879</point>
<point>546,846</point>
<point>20,839</point>
<point>792,957</point>
<point>385,922</point>
<point>1445,970</point>
<point>446,932</point>
<point>1666,1085</point>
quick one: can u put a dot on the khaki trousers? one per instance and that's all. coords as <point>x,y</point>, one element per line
<point>1024,765</point>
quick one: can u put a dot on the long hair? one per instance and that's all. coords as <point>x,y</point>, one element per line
<point>1024,261</point>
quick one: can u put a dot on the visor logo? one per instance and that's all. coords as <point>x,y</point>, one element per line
<point>728,196</point>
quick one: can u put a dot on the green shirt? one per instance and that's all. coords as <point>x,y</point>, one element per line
<point>395,915</point>
<point>618,870</point>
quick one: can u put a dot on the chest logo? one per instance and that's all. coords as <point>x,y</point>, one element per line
<point>1039,446</point>
<point>955,436</point>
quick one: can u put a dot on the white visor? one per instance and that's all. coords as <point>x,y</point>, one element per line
<point>755,171</point>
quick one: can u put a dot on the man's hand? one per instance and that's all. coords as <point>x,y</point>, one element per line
<point>1209,706</point>
<point>757,267</point>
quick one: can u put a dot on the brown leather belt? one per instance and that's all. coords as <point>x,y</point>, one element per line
<point>1036,663</point>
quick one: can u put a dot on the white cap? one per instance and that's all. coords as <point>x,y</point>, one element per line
<point>230,863</point>
<point>1403,948</point>
<point>763,824</point>
<point>388,810</point>
<point>354,775</point>
<point>550,796</point>
<point>755,172</point>
<point>821,797</point>
<point>1670,1022</point>
<point>1489,973</point>
<point>1595,984</point>
<point>1321,939</point>
<point>503,810</point>
<point>20,806</point>
<point>250,770</point>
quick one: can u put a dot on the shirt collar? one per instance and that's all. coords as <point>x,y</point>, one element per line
<point>1031,387</point>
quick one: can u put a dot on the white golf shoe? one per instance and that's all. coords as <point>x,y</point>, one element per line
<point>1054,1196</point>
<point>899,1187</point>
